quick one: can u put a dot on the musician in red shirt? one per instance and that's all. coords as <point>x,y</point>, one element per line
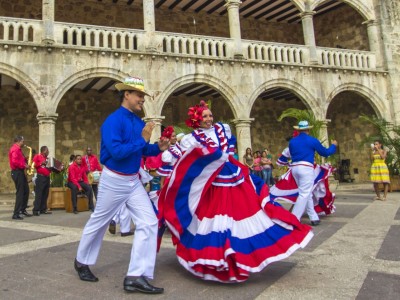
<point>91,163</point>
<point>18,165</point>
<point>42,183</point>
<point>78,182</point>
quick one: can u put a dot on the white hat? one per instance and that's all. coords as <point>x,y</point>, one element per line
<point>303,125</point>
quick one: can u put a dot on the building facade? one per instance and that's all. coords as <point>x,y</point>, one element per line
<point>59,61</point>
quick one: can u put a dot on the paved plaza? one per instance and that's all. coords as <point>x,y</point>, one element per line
<point>355,254</point>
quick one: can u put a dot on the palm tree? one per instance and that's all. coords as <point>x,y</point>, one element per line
<point>303,114</point>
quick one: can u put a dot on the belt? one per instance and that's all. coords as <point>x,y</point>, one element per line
<point>17,169</point>
<point>42,175</point>
<point>123,174</point>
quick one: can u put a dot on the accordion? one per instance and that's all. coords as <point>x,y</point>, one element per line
<point>54,164</point>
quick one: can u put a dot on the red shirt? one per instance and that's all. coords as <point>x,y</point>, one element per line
<point>153,162</point>
<point>40,159</point>
<point>16,158</point>
<point>91,163</point>
<point>77,173</point>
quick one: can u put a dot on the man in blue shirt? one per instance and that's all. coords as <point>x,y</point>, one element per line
<point>302,150</point>
<point>124,140</point>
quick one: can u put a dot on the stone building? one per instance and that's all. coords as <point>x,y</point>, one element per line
<point>59,61</point>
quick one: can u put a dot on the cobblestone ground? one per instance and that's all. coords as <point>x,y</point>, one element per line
<point>355,254</point>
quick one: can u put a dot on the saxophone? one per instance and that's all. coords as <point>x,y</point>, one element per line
<point>31,164</point>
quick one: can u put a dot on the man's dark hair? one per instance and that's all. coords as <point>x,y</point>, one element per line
<point>121,95</point>
<point>42,149</point>
<point>72,157</point>
<point>18,138</point>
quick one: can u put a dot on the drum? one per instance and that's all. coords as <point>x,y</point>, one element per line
<point>96,177</point>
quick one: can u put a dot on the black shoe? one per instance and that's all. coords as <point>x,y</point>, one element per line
<point>127,233</point>
<point>112,227</point>
<point>141,285</point>
<point>75,211</point>
<point>25,213</point>
<point>45,212</point>
<point>36,213</point>
<point>84,272</point>
<point>17,217</point>
<point>315,223</point>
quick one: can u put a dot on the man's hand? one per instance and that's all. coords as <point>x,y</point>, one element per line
<point>163,144</point>
<point>334,142</point>
<point>147,131</point>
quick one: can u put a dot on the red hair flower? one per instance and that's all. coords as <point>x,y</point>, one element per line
<point>168,131</point>
<point>195,114</point>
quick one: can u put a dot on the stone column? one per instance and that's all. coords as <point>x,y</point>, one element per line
<point>243,135</point>
<point>309,36</point>
<point>149,20</point>
<point>47,131</point>
<point>323,134</point>
<point>232,7</point>
<point>48,22</point>
<point>373,37</point>
<point>157,130</point>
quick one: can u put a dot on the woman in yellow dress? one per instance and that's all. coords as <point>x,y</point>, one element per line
<point>379,170</point>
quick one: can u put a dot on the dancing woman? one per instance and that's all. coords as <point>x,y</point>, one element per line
<point>223,224</point>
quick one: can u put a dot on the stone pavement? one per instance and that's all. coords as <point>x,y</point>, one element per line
<point>355,254</point>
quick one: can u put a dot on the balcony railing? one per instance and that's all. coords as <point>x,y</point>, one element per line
<point>20,30</point>
<point>276,53</point>
<point>100,37</point>
<point>344,58</point>
<point>195,45</point>
<point>13,30</point>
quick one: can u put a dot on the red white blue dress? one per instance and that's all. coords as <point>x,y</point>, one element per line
<point>286,188</point>
<point>223,223</point>
<point>169,159</point>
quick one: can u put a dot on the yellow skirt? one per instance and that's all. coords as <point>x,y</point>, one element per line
<point>379,172</point>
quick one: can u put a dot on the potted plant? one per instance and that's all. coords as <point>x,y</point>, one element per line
<point>58,193</point>
<point>389,135</point>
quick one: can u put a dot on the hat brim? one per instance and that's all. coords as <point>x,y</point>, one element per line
<point>304,128</point>
<point>125,87</point>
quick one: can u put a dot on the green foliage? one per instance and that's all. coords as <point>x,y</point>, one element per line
<point>59,179</point>
<point>389,135</point>
<point>303,114</point>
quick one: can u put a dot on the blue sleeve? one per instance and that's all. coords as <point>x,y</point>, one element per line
<point>321,150</point>
<point>113,140</point>
<point>151,150</point>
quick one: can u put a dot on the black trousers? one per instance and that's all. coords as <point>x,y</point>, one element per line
<point>95,188</point>
<point>22,193</point>
<point>74,193</point>
<point>42,186</point>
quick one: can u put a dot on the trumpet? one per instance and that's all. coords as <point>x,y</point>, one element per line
<point>31,164</point>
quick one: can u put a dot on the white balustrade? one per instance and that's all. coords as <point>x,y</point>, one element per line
<point>345,58</point>
<point>195,45</point>
<point>98,37</point>
<point>20,30</point>
<point>276,53</point>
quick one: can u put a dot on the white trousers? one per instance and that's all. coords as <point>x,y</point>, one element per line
<point>123,218</point>
<point>116,191</point>
<point>304,177</point>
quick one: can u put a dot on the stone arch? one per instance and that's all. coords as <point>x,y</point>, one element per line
<point>366,12</point>
<point>308,99</point>
<point>371,97</point>
<point>25,80</point>
<point>226,91</point>
<point>82,75</point>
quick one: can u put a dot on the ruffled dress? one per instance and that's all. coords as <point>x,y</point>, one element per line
<point>286,188</point>
<point>223,223</point>
<point>379,170</point>
<point>169,159</point>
